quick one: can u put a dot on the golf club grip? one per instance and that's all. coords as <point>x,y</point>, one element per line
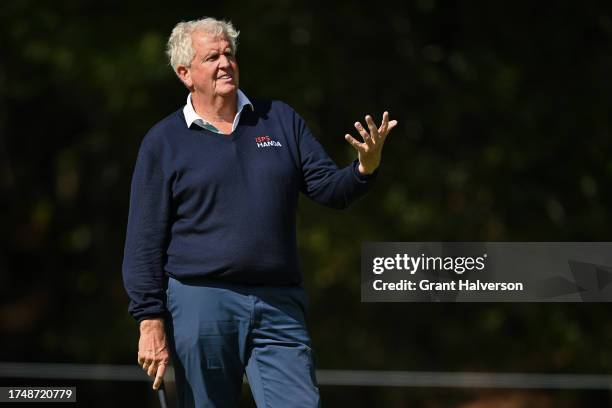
<point>161,393</point>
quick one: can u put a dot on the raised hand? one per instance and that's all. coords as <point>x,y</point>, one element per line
<point>370,150</point>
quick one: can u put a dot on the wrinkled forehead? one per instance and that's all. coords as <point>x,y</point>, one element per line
<point>205,42</point>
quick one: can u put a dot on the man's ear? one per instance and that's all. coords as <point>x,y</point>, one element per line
<point>184,75</point>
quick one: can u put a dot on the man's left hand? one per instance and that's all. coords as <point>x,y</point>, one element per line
<point>370,151</point>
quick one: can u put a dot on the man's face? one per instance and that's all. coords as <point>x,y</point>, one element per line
<point>213,70</point>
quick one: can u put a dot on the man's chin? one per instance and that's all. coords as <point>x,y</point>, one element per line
<point>227,90</point>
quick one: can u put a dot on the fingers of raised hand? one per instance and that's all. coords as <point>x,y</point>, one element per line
<point>382,130</point>
<point>364,135</point>
<point>373,128</point>
<point>392,124</point>
<point>353,142</point>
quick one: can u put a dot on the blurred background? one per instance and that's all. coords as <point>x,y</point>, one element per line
<point>504,134</point>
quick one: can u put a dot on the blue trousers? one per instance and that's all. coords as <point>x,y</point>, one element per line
<point>218,332</point>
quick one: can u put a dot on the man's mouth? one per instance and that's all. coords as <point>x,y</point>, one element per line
<point>226,76</point>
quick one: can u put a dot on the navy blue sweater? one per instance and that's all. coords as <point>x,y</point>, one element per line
<point>223,207</point>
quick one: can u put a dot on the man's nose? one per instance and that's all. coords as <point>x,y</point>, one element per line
<point>224,61</point>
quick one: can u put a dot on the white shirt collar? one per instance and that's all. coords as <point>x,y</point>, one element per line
<point>192,117</point>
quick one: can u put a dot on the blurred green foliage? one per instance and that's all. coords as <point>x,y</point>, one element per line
<point>504,134</point>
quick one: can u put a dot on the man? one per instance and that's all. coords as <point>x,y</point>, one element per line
<point>211,265</point>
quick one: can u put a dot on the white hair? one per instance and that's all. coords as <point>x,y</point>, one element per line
<point>180,48</point>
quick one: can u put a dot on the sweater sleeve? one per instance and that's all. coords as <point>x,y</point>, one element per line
<point>147,237</point>
<point>323,181</point>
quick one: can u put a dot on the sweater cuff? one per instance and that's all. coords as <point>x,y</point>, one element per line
<point>363,178</point>
<point>140,319</point>
<point>146,317</point>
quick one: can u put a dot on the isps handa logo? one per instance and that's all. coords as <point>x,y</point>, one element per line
<point>266,141</point>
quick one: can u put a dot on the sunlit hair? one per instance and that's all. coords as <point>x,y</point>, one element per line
<point>180,49</point>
